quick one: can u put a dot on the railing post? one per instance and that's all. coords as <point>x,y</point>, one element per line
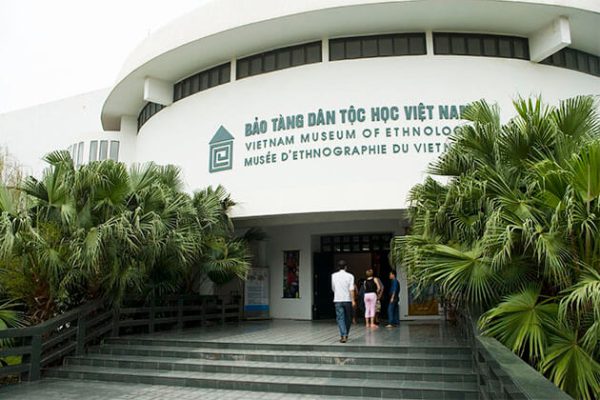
<point>202,311</point>
<point>115,322</point>
<point>180,312</point>
<point>81,332</point>
<point>152,311</point>
<point>222,311</point>
<point>36,357</point>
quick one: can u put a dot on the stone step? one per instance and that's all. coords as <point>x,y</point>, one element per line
<point>282,384</point>
<point>406,373</point>
<point>417,347</point>
<point>286,356</point>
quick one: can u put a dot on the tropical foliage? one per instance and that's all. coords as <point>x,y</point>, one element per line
<point>512,227</point>
<point>103,231</point>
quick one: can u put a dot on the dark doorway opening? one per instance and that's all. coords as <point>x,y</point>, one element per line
<point>361,252</point>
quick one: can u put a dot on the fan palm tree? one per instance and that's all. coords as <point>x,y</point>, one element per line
<point>102,231</point>
<point>515,232</point>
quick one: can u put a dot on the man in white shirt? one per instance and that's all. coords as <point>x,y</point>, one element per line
<point>342,284</point>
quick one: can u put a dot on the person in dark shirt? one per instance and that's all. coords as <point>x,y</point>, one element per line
<point>371,288</point>
<point>393,315</point>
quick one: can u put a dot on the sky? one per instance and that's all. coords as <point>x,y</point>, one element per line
<point>51,49</point>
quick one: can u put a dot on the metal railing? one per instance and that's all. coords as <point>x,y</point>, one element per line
<point>46,344</point>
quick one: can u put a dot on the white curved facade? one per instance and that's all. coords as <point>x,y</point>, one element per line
<point>340,139</point>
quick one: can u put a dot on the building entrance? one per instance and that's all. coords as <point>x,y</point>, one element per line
<point>361,252</point>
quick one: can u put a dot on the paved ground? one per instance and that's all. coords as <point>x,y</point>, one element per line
<point>278,331</point>
<point>53,389</point>
<point>320,332</point>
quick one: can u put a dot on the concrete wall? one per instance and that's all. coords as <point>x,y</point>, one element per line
<point>181,133</point>
<point>29,134</point>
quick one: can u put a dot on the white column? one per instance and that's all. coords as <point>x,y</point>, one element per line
<point>325,50</point>
<point>128,124</point>
<point>429,42</point>
<point>158,91</point>
<point>549,39</point>
<point>233,69</point>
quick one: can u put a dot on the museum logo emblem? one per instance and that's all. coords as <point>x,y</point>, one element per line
<point>221,151</point>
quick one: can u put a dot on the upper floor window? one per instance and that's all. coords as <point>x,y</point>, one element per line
<point>400,44</point>
<point>468,44</point>
<point>201,81</point>
<point>576,60</point>
<point>279,59</point>
<point>148,112</point>
<point>93,151</point>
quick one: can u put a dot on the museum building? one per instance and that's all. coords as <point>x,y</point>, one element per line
<point>318,116</point>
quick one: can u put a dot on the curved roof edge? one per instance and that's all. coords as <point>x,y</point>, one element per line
<point>201,38</point>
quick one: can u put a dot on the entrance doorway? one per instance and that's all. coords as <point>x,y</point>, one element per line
<point>361,252</point>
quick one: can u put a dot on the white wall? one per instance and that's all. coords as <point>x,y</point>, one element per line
<point>303,237</point>
<point>180,133</point>
<point>31,133</point>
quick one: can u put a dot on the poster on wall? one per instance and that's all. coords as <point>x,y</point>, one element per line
<point>291,274</point>
<point>256,299</point>
<point>423,302</point>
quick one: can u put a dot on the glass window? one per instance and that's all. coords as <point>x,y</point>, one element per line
<point>103,150</point>
<point>242,69</point>
<point>594,65</point>
<point>582,62</point>
<point>401,46</point>
<point>489,47</point>
<point>474,46</point>
<point>416,45</point>
<point>481,45</point>
<point>558,59</point>
<point>377,46</point>
<point>298,56</point>
<point>504,48</point>
<point>336,50</point>
<point>313,53</point>
<point>204,84</point>
<point>284,58</point>
<point>80,153</point>
<point>114,150</point>
<point>576,60</point>
<point>570,59</point>
<point>457,44</point>
<point>93,151</point>
<point>214,77</point>
<point>441,44</point>
<point>269,62</point>
<point>369,47</point>
<point>255,65</point>
<point>225,74</point>
<point>520,49</point>
<point>187,88</point>
<point>353,48</point>
<point>386,46</point>
<point>177,95</point>
<point>195,83</point>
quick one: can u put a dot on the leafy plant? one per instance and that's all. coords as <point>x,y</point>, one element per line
<point>515,230</point>
<point>103,231</point>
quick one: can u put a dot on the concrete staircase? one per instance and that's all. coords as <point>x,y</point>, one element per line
<point>399,372</point>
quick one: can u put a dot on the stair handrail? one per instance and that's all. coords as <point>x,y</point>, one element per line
<point>31,341</point>
<point>72,332</point>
